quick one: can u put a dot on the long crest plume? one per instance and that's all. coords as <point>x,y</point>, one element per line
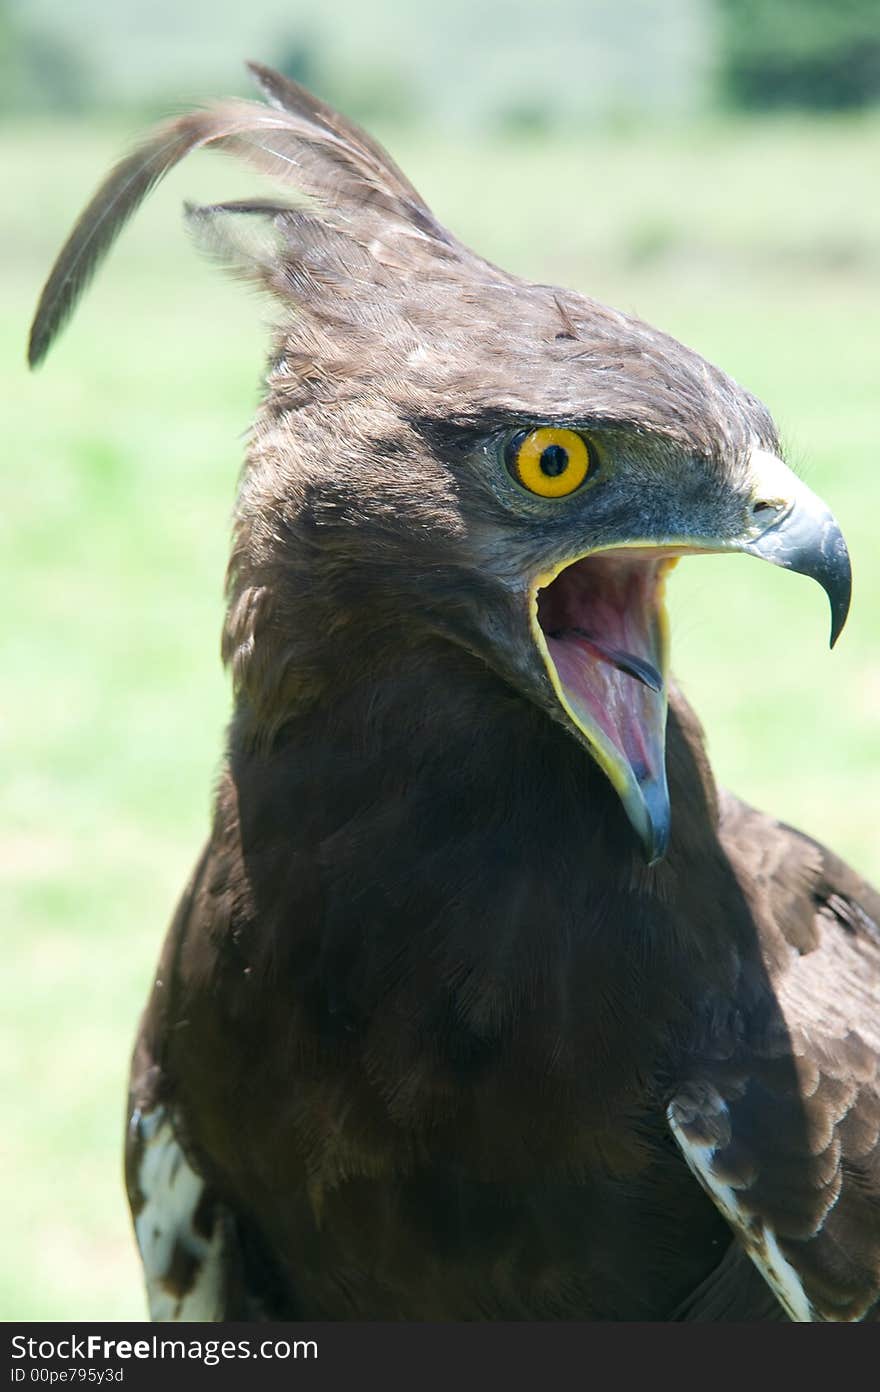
<point>297,140</point>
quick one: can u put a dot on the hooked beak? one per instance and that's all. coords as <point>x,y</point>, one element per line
<point>599,623</point>
<point>800,533</point>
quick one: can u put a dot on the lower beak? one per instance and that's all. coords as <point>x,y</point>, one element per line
<point>600,625</point>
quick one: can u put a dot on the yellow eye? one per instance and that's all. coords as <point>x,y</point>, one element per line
<point>548,461</point>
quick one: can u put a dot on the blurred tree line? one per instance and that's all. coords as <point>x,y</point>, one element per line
<point>505,62</point>
<point>819,54</point>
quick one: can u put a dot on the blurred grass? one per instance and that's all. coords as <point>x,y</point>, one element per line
<point>758,243</point>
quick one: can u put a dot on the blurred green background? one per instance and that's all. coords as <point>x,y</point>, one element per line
<point>709,164</point>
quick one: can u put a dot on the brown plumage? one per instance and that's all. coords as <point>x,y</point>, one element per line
<point>482,1003</point>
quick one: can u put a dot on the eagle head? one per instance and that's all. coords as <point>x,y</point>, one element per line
<point>447,454</point>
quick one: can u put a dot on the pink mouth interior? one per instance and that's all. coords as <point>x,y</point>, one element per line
<point>600,617</point>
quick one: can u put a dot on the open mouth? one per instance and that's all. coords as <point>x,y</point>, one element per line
<point>600,625</point>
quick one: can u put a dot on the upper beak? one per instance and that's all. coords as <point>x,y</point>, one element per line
<point>800,533</point>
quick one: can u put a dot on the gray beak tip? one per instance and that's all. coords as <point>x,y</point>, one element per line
<point>837,583</point>
<point>658,819</point>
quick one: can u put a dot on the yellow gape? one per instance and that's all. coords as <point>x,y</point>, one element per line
<point>549,461</point>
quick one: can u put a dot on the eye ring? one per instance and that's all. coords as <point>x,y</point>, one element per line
<point>549,461</point>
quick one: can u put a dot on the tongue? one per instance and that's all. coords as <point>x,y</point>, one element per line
<point>634,666</point>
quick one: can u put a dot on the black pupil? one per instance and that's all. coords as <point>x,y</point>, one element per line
<point>554,461</point>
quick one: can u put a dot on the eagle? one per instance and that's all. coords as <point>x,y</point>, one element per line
<point>484,1002</point>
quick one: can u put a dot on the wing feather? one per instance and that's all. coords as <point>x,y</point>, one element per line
<point>779,1116</point>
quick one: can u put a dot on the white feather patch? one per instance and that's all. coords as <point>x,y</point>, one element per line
<point>758,1239</point>
<point>165,1225</point>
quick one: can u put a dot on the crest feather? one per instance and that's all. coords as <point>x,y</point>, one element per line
<point>297,140</point>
